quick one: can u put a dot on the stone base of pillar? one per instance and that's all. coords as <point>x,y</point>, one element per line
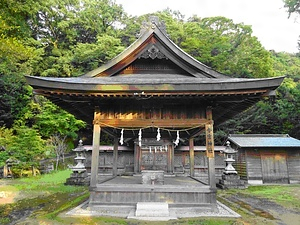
<point>80,179</point>
<point>231,181</point>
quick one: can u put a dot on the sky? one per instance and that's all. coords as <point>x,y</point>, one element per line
<point>268,18</point>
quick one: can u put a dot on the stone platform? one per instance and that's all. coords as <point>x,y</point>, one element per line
<point>127,197</point>
<point>129,212</point>
<point>176,191</point>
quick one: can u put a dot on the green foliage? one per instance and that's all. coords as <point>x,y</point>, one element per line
<point>227,47</point>
<point>27,146</point>
<point>89,56</point>
<point>70,38</point>
<point>23,145</point>
<point>14,95</point>
<point>293,6</point>
<point>52,120</point>
<point>37,192</point>
<point>5,140</point>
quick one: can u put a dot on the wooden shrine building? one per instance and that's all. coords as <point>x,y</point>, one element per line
<point>153,97</point>
<point>267,158</point>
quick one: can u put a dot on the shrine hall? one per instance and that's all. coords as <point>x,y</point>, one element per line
<point>154,99</point>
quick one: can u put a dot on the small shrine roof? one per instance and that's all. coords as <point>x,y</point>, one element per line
<point>264,140</point>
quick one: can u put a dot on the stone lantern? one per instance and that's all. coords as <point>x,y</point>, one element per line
<point>79,167</point>
<point>230,177</point>
<point>229,159</point>
<point>8,168</point>
<point>79,175</point>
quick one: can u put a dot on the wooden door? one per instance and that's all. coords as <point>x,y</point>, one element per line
<point>154,160</point>
<point>274,167</point>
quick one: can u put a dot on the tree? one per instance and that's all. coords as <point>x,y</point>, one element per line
<point>22,144</point>
<point>15,58</point>
<point>58,144</point>
<point>51,120</point>
<point>293,7</point>
<point>227,47</point>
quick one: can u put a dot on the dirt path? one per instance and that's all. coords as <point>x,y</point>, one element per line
<point>264,210</point>
<point>7,193</point>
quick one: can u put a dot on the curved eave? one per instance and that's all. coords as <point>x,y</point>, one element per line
<point>117,84</point>
<point>169,48</point>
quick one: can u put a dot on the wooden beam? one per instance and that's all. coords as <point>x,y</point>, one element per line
<point>142,123</point>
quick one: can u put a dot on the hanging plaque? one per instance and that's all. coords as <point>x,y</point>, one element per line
<point>209,140</point>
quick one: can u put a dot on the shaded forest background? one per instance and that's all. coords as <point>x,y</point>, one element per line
<point>65,38</point>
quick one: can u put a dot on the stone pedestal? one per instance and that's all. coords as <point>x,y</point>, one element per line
<point>78,178</point>
<point>231,181</point>
<point>153,177</point>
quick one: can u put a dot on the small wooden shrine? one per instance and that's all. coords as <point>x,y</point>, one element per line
<point>267,158</point>
<point>154,97</point>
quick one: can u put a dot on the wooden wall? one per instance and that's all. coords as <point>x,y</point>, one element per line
<point>240,164</point>
<point>181,163</point>
<point>294,165</point>
<point>268,165</point>
<point>253,164</point>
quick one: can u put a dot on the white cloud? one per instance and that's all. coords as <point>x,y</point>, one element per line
<point>268,18</point>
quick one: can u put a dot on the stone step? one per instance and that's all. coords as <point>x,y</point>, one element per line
<point>152,209</point>
<point>158,211</point>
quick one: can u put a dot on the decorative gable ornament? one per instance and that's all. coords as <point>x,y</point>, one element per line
<point>153,52</point>
<point>152,23</point>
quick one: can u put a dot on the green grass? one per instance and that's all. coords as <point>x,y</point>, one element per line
<point>281,194</point>
<point>43,196</point>
<point>285,195</point>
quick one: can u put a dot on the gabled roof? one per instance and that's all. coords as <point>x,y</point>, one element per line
<point>154,68</point>
<point>153,43</point>
<point>264,140</point>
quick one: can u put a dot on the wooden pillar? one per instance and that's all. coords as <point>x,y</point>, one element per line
<point>170,160</point>
<point>192,157</point>
<point>210,148</point>
<point>115,157</point>
<point>95,152</point>
<point>136,159</point>
<point>139,150</point>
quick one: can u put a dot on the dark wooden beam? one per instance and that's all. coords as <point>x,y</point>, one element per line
<point>143,123</point>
